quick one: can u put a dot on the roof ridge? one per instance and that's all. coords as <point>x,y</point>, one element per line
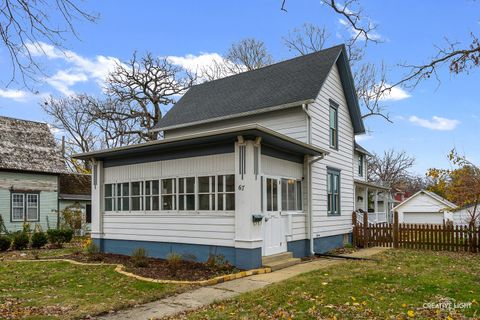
<point>24,120</point>
<point>270,65</point>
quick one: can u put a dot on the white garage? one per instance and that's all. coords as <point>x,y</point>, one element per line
<point>424,207</point>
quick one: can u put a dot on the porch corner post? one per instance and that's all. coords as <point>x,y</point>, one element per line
<point>97,203</point>
<point>395,229</point>
<point>366,230</point>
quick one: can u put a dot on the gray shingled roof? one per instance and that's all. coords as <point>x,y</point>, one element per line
<point>288,82</point>
<point>28,146</point>
<point>361,149</point>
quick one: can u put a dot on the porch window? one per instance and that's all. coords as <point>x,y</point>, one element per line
<point>25,207</point>
<point>333,192</point>
<point>123,196</point>
<point>206,193</point>
<point>169,189</point>
<point>291,195</point>
<point>152,191</point>
<point>186,193</point>
<point>136,197</point>
<point>272,194</point>
<point>360,165</point>
<point>109,197</point>
<point>226,192</point>
<point>333,121</point>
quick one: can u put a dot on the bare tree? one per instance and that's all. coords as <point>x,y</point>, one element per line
<point>24,24</point>
<point>142,86</point>
<point>391,168</point>
<point>74,117</point>
<point>306,39</point>
<point>247,54</point>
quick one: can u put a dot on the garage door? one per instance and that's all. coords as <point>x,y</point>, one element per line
<point>423,217</point>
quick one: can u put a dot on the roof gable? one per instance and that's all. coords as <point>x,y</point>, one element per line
<point>432,195</point>
<point>281,85</point>
<point>28,146</point>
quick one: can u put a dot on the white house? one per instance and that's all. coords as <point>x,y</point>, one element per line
<point>251,165</point>
<point>425,207</point>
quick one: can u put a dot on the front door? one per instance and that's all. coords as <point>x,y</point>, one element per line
<point>274,240</point>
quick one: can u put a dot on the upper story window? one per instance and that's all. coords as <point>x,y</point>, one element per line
<point>333,192</point>
<point>333,125</point>
<point>360,164</point>
<point>25,207</point>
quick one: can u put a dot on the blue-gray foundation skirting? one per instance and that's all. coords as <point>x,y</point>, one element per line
<point>301,248</point>
<point>239,257</point>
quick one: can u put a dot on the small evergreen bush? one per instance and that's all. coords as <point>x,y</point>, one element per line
<point>38,240</point>
<point>5,243</point>
<point>20,240</point>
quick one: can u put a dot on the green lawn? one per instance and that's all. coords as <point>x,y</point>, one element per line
<point>47,290</point>
<point>396,287</point>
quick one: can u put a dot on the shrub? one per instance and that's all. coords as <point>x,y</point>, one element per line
<point>72,217</point>
<point>174,259</point>
<point>217,262</point>
<point>38,240</point>
<point>59,236</point>
<point>92,248</point>
<point>5,243</point>
<point>139,258</point>
<point>20,240</point>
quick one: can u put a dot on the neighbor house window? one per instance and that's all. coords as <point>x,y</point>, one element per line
<point>168,194</point>
<point>123,196</point>
<point>333,192</point>
<point>360,165</point>
<point>25,207</point>
<point>136,195</point>
<point>206,193</point>
<point>291,195</point>
<point>109,197</point>
<point>152,191</point>
<point>333,121</point>
<point>272,194</point>
<point>186,193</point>
<point>226,192</point>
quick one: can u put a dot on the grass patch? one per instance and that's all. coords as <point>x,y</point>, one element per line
<point>48,290</point>
<point>395,287</point>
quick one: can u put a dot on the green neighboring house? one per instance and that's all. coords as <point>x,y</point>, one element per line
<point>31,169</point>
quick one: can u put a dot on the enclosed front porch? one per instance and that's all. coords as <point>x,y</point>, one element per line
<point>374,200</point>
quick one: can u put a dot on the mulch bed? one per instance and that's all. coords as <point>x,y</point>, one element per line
<point>158,268</point>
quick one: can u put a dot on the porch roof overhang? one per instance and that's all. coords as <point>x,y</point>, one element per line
<point>268,137</point>
<point>370,185</point>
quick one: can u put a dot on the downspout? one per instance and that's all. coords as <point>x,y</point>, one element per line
<point>310,207</point>
<point>309,176</point>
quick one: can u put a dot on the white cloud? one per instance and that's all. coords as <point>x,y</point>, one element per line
<point>363,137</point>
<point>196,63</point>
<point>78,68</point>
<point>394,94</point>
<point>16,95</point>
<point>436,123</point>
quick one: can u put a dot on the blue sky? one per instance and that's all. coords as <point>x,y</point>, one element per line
<point>191,30</point>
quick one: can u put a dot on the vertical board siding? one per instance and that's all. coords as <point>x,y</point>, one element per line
<point>44,183</point>
<point>341,159</point>
<point>209,228</point>
<point>291,122</point>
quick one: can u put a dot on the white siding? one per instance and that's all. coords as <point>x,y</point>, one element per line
<point>291,122</point>
<point>341,159</point>
<point>210,228</point>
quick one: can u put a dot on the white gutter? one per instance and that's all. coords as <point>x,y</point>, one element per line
<point>309,177</point>
<point>310,210</point>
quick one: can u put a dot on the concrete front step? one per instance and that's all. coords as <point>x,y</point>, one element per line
<point>280,261</point>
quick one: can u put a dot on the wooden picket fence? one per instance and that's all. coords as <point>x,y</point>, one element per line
<point>445,237</point>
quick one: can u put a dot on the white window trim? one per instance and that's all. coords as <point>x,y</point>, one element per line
<point>25,196</point>
<point>23,207</point>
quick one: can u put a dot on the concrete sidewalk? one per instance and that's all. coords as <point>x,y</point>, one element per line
<point>207,295</point>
